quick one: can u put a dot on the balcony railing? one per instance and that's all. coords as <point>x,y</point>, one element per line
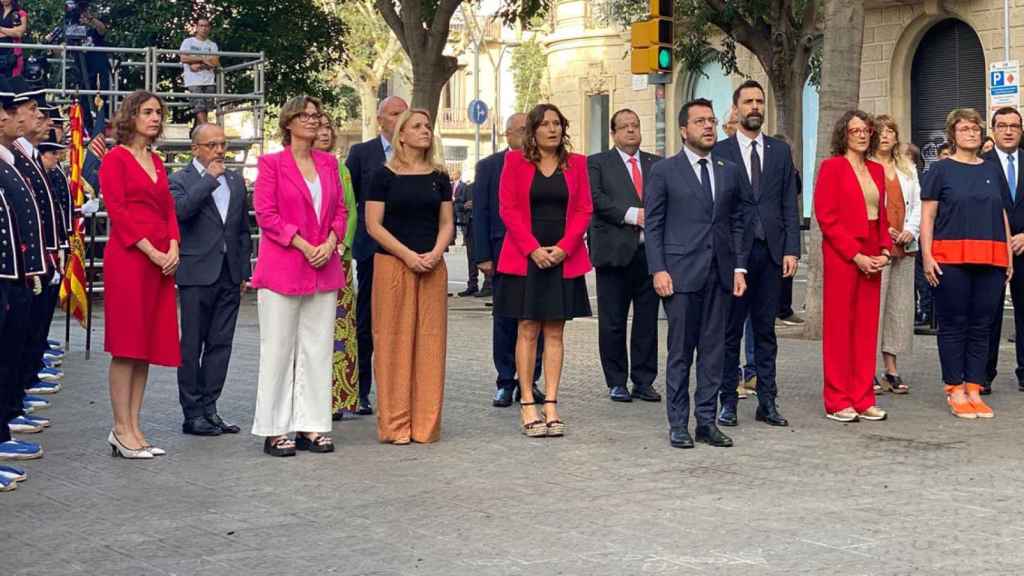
<point>458,119</point>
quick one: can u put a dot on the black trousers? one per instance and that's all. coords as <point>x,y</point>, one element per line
<point>618,288</point>
<point>965,307</point>
<point>923,291</point>
<point>505,331</point>
<point>761,302</point>
<point>15,307</point>
<point>786,298</point>
<point>472,273</point>
<point>364,324</point>
<point>38,328</point>
<point>696,322</point>
<point>1017,295</point>
<point>208,317</point>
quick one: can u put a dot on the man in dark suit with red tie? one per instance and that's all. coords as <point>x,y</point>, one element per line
<point>617,252</point>
<point>768,167</point>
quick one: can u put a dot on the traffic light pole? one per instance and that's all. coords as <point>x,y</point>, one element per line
<point>660,81</point>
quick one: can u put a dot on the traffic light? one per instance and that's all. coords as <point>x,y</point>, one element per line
<point>653,41</point>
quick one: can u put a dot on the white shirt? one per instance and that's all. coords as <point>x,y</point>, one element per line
<point>745,149</point>
<point>632,213</point>
<point>203,77</point>
<point>1016,168</point>
<point>315,192</point>
<point>26,147</point>
<point>695,164</point>
<point>222,195</point>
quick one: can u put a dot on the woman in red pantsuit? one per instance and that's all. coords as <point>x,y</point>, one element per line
<point>141,319</point>
<point>849,202</point>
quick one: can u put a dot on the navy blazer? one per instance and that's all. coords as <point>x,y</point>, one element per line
<point>487,224</point>
<point>364,159</point>
<point>206,240</point>
<point>1014,208</point>
<point>684,229</point>
<point>776,204</point>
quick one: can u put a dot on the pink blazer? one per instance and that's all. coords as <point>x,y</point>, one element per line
<point>514,208</point>
<point>284,208</point>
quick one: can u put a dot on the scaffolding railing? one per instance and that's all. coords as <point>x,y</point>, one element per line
<point>148,69</point>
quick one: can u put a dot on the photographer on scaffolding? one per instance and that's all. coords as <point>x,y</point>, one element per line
<point>86,70</point>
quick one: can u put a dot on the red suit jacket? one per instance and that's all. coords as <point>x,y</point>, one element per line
<point>514,208</point>
<point>840,208</point>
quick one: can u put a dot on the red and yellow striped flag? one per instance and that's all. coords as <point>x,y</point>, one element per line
<point>73,298</point>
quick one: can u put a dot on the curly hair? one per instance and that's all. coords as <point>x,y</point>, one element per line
<point>840,134</point>
<point>124,120</point>
<point>531,151</point>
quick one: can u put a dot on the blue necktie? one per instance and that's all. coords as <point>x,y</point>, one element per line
<point>1011,177</point>
<point>705,179</point>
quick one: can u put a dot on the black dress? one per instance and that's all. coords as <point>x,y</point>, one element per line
<point>544,294</point>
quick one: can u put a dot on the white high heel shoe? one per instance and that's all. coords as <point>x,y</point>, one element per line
<point>119,449</point>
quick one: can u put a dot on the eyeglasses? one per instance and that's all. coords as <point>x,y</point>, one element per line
<point>869,132</point>
<point>1000,127</point>
<point>307,117</point>
<point>702,122</point>
<point>972,129</point>
<point>214,144</point>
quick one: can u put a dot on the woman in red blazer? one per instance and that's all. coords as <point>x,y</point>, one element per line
<point>544,201</point>
<point>849,202</point>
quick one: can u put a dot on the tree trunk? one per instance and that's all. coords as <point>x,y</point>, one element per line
<point>368,107</point>
<point>840,91</point>
<point>429,75</point>
<point>789,110</point>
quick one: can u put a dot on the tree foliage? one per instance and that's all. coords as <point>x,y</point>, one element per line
<point>528,67</point>
<point>300,38</point>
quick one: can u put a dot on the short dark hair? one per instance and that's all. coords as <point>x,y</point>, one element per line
<point>840,134</point>
<point>943,147</point>
<point>744,86</point>
<point>124,119</point>
<point>1003,111</point>
<point>611,123</point>
<point>684,112</point>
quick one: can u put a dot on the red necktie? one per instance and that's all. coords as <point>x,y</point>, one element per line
<point>638,179</point>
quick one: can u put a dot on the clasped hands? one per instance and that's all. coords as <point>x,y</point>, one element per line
<point>422,263</point>
<point>548,256</point>
<point>871,264</point>
<point>318,256</point>
<point>166,261</point>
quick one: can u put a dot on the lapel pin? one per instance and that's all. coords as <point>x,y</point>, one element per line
<point>720,163</point>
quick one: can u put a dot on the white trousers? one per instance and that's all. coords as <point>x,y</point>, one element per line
<point>296,342</point>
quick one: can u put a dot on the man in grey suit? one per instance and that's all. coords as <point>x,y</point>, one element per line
<point>617,251</point>
<point>697,210</point>
<point>216,248</point>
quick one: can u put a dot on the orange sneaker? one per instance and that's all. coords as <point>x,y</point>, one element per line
<point>981,409</point>
<point>959,405</point>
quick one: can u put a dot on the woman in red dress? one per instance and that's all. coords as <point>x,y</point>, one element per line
<point>141,319</point>
<point>849,202</point>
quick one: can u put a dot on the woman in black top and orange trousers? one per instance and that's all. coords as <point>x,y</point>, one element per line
<point>409,214</point>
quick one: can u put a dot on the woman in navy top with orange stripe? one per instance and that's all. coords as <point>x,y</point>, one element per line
<point>967,259</point>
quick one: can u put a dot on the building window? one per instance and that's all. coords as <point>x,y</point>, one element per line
<point>713,85</point>
<point>597,123</point>
<point>810,144</point>
<point>456,153</point>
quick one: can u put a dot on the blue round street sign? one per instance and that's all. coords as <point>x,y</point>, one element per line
<point>477,112</point>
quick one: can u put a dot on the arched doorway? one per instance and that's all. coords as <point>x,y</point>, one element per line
<point>948,72</point>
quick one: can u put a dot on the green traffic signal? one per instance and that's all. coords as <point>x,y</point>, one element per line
<point>665,58</point>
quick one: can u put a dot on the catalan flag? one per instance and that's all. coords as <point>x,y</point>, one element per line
<point>73,298</point>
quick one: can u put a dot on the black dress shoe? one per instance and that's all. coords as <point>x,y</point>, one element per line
<point>710,434</point>
<point>727,416</point>
<point>468,292</point>
<point>770,415</point>
<point>225,427</point>
<point>619,394</point>
<point>485,293</point>
<point>538,396</point>
<point>680,439</point>
<point>502,398</point>
<point>364,408</point>
<point>986,389</point>
<point>200,427</point>
<point>1020,386</point>
<point>645,393</point>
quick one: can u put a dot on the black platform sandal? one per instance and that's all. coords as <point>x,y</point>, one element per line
<point>534,428</point>
<point>555,427</point>
<point>279,446</point>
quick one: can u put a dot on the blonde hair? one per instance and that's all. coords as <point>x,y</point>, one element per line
<point>433,154</point>
<point>899,159</point>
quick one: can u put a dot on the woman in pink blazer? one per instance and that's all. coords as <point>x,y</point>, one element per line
<point>300,209</point>
<point>545,203</point>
